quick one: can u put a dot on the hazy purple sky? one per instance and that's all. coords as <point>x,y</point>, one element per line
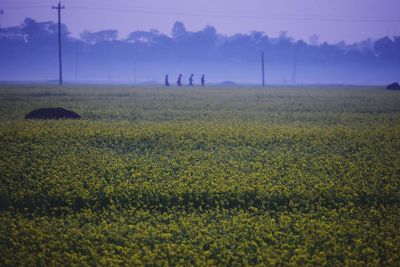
<point>332,20</point>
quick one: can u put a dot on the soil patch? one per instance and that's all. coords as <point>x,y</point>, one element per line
<point>52,114</point>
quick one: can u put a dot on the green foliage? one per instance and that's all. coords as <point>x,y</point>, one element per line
<point>191,177</point>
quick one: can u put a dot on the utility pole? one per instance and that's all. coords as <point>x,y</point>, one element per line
<point>76,60</point>
<point>59,7</point>
<point>294,76</point>
<point>262,69</point>
<point>1,16</point>
<point>134,72</point>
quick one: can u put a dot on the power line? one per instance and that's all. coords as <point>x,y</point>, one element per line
<point>144,10</point>
<point>184,13</point>
<point>25,7</point>
<point>32,3</point>
<point>24,2</point>
<point>59,8</point>
<point>118,8</point>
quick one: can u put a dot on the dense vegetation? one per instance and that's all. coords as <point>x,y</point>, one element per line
<point>201,177</point>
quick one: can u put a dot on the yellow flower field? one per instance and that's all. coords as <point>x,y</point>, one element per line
<point>217,176</point>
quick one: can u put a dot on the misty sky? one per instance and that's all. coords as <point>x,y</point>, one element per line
<point>333,21</point>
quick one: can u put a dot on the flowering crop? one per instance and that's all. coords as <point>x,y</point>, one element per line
<point>234,189</point>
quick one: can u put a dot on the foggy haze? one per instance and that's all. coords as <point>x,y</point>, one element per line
<point>29,53</point>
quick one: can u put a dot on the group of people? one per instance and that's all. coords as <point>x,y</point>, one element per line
<point>179,81</point>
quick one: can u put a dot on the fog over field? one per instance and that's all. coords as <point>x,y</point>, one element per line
<point>29,53</point>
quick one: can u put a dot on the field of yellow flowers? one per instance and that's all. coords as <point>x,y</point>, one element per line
<point>217,176</point>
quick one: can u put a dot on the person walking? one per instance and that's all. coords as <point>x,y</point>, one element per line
<point>191,80</point>
<point>203,80</point>
<point>179,81</point>
<point>166,80</point>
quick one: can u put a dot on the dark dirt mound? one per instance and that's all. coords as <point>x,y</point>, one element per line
<point>51,114</point>
<point>393,86</point>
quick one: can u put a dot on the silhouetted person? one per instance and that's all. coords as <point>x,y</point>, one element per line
<point>166,80</point>
<point>203,80</point>
<point>191,80</point>
<point>179,81</point>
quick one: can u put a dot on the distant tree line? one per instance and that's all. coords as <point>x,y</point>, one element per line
<point>33,44</point>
